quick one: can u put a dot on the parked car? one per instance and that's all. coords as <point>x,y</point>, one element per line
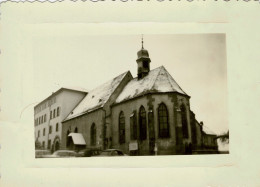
<point>62,154</point>
<point>41,153</point>
<point>89,152</point>
<point>112,152</point>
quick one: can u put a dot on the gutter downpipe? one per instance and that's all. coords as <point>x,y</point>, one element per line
<point>49,125</point>
<point>104,129</point>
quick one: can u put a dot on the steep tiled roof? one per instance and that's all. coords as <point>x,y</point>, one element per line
<point>96,98</point>
<point>157,81</point>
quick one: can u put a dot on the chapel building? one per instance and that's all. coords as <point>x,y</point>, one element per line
<point>146,115</point>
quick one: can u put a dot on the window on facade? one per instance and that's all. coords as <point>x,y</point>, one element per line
<point>76,130</point>
<point>163,121</point>
<point>54,113</point>
<point>93,134</point>
<point>45,118</point>
<point>57,127</point>
<point>43,133</point>
<point>58,111</point>
<point>51,115</point>
<point>38,133</point>
<point>142,123</point>
<point>133,126</point>
<point>43,144</point>
<point>50,130</point>
<point>121,128</point>
<point>184,122</point>
<point>42,119</point>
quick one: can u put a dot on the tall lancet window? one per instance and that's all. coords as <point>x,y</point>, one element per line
<point>184,122</point>
<point>93,134</point>
<point>121,128</point>
<point>163,121</point>
<point>142,124</point>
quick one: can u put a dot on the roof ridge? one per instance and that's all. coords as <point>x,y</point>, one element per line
<point>123,76</point>
<point>102,84</point>
<point>74,89</point>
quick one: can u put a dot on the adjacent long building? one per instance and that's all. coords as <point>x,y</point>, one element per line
<point>49,114</point>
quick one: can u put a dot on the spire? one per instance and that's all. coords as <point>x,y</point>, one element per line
<point>143,61</point>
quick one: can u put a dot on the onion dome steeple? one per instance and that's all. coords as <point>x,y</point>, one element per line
<point>143,62</point>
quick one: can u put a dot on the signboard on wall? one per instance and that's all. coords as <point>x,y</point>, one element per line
<point>133,146</point>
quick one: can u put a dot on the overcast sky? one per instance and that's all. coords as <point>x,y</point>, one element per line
<point>197,62</point>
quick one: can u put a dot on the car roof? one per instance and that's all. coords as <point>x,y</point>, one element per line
<point>95,149</point>
<point>112,150</point>
<point>64,151</point>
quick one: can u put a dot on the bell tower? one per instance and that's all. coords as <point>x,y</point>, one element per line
<point>143,62</point>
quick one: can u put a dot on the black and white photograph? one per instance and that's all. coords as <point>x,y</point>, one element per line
<point>123,98</point>
<point>129,93</point>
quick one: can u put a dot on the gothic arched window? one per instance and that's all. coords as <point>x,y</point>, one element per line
<point>76,130</point>
<point>184,122</point>
<point>93,134</point>
<point>121,127</point>
<point>163,121</point>
<point>142,123</point>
